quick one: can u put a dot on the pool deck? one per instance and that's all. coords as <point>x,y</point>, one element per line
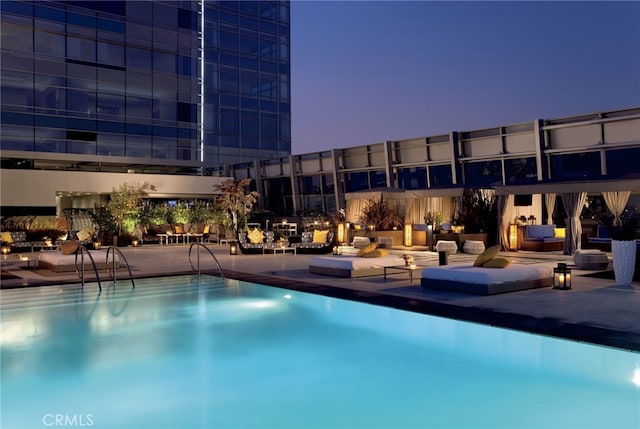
<point>595,310</point>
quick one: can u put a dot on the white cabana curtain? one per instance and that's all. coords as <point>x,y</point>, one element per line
<point>503,202</point>
<point>573,204</point>
<point>354,209</point>
<point>550,203</point>
<point>417,208</point>
<point>616,202</point>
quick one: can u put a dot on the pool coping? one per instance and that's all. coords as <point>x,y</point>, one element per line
<point>547,326</point>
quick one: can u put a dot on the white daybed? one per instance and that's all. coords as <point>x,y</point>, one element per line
<point>59,263</point>
<point>352,266</point>
<point>486,281</point>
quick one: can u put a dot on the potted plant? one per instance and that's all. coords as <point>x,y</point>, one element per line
<point>623,235</point>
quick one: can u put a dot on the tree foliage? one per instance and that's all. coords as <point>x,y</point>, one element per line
<point>126,202</point>
<point>236,200</point>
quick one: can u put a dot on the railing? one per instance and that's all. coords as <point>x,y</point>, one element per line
<point>80,251</point>
<point>111,267</point>
<point>197,267</point>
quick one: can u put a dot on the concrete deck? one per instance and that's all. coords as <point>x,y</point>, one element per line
<point>596,310</point>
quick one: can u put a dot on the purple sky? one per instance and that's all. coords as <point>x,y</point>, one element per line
<point>368,71</point>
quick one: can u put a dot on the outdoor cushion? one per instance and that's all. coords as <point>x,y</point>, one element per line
<point>486,256</point>
<point>7,237</point>
<point>84,234</point>
<point>376,253</point>
<point>540,231</point>
<point>497,262</point>
<point>178,229</point>
<point>69,248</point>
<point>255,236</point>
<point>559,232</point>
<point>320,236</point>
<point>367,249</point>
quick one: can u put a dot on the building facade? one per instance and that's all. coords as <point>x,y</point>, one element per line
<point>142,87</point>
<point>597,151</point>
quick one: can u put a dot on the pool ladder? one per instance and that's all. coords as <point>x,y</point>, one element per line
<point>111,265</point>
<point>197,267</point>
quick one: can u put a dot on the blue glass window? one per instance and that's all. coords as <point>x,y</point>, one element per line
<point>139,129</point>
<point>484,173</point>
<point>356,181</point>
<point>109,25</point>
<point>139,58</point>
<point>18,8</point>
<point>186,112</point>
<point>110,106</point>
<point>187,19</point>
<point>49,121</point>
<point>81,20</point>
<point>229,41</point>
<point>520,170</point>
<point>137,106</point>
<point>113,127</point>
<point>584,165</point>
<point>623,163</point>
<point>165,14</point>
<point>49,44</point>
<point>46,13</point>
<point>111,54</point>
<point>440,175</point>
<point>81,49</point>
<point>164,62</point>
<point>110,144</point>
<point>412,178</point>
<point>49,99</point>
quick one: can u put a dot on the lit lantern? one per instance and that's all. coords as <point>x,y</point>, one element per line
<point>513,236</point>
<point>562,277</point>
<point>341,233</point>
<point>233,249</point>
<point>135,243</point>
<point>5,249</point>
<point>408,234</point>
<point>97,245</point>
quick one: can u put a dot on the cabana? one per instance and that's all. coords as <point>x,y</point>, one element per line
<point>574,198</point>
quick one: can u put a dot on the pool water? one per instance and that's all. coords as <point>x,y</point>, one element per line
<point>189,352</point>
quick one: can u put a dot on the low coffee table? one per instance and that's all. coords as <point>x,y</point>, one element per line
<point>401,268</point>
<point>15,259</point>
<point>275,250</point>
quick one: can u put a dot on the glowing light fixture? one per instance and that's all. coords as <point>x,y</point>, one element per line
<point>340,233</point>
<point>408,234</point>
<point>233,249</point>
<point>513,236</point>
<point>562,277</point>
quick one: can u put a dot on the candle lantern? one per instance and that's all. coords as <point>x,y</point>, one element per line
<point>5,249</point>
<point>97,245</point>
<point>408,235</point>
<point>233,249</point>
<point>562,277</point>
<point>135,243</point>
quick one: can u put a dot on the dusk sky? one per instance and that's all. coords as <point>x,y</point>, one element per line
<point>368,71</point>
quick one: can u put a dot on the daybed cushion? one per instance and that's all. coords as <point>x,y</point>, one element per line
<point>351,266</point>
<point>367,249</point>
<point>486,281</point>
<point>57,262</point>
<point>497,262</point>
<point>376,253</point>
<point>540,231</point>
<point>487,255</point>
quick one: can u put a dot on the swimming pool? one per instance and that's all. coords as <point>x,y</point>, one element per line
<point>179,352</point>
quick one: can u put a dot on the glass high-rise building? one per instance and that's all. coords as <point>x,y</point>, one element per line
<point>143,86</point>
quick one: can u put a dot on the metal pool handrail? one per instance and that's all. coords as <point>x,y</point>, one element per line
<point>112,273</point>
<point>80,250</point>
<point>199,245</point>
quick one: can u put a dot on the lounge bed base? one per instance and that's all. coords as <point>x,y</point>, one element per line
<point>339,272</point>
<point>485,289</point>
<point>486,281</point>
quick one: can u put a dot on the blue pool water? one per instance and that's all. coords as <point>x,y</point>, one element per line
<point>179,352</point>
